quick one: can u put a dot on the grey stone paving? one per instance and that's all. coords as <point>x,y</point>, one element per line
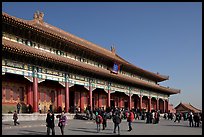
<point>86,127</point>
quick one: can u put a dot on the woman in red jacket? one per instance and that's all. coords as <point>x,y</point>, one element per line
<point>130,119</point>
<point>99,121</point>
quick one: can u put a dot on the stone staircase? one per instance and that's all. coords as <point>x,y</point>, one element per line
<point>31,117</point>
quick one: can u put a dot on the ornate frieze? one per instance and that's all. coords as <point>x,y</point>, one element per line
<point>153,94</point>
<point>80,78</point>
<point>144,92</point>
<point>62,83</point>
<point>14,64</point>
<point>28,70</point>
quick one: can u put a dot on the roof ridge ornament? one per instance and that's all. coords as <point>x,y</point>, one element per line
<point>38,16</point>
<point>113,50</point>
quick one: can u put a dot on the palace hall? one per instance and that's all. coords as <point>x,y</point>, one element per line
<point>47,66</point>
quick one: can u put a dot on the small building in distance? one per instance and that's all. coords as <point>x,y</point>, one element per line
<point>185,107</point>
<point>171,108</point>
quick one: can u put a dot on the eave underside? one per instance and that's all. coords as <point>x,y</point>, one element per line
<point>34,53</point>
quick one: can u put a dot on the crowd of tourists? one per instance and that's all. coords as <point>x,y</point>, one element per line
<point>100,116</point>
<point>194,119</point>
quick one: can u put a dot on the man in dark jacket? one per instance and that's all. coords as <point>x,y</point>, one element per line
<point>190,118</point>
<point>50,123</point>
<point>104,116</point>
<point>117,121</point>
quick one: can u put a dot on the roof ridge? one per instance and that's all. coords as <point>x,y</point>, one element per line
<point>74,36</point>
<point>32,22</point>
<point>189,106</point>
<point>193,107</point>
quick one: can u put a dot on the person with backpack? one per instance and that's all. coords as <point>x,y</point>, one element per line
<point>117,121</point>
<point>99,121</point>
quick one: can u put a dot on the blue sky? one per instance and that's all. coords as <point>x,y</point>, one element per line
<point>158,37</point>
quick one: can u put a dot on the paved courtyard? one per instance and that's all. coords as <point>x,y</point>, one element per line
<point>86,127</point>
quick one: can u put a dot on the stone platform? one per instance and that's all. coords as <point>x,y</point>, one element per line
<point>31,117</point>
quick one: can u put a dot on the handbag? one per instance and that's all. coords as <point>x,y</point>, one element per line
<point>59,124</point>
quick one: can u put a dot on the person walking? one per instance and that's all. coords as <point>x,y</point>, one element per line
<point>51,108</point>
<point>130,119</point>
<point>39,108</point>
<point>148,117</point>
<point>196,120</point>
<point>18,106</point>
<point>104,116</point>
<point>15,118</point>
<point>190,119</point>
<point>99,121</point>
<point>153,117</point>
<point>177,117</point>
<point>50,122</point>
<point>116,121</point>
<point>62,122</point>
<point>30,108</point>
<point>156,117</point>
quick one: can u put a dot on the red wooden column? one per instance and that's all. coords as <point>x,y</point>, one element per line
<point>29,94</point>
<point>108,97</point>
<point>167,107</point>
<point>66,97</point>
<point>140,102</point>
<point>59,98</point>
<point>35,94</point>
<point>130,101</point>
<point>90,95</point>
<point>150,103</point>
<point>99,100</point>
<point>164,105</point>
<point>157,104</point>
<point>120,102</point>
<point>82,101</point>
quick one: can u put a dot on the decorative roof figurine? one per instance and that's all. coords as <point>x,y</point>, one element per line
<point>113,49</point>
<point>38,16</point>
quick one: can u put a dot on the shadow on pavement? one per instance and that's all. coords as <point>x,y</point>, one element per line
<point>7,124</point>
<point>140,122</point>
<point>30,132</point>
<point>87,130</point>
<point>182,126</point>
